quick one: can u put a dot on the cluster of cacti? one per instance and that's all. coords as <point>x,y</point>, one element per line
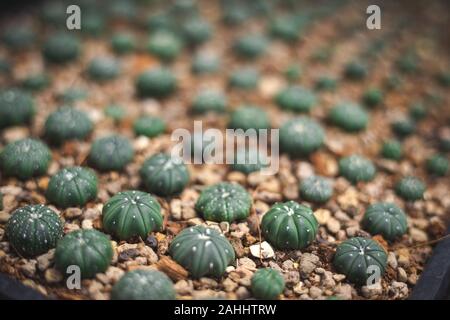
<point>209,101</point>
<point>224,202</point>
<point>156,82</point>
<point>357,168</point>
<point>249,117</point>
<point>267,284</point>
<point>386,219</point>
<point>316,189</point>
<point>149,126</point>
<point>301,136</point>
<point>111,153</point>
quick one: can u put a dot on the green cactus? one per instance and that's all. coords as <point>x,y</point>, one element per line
<point>326,83</point>
<point>289,225</point>
<point>103,68</point>
<point>160,21</point>
<point>164,175</point>
<point>67,123</point>
<point>132,213</point>
<point>73,186</point>
<point>111,153</point>
<point>205,62</point>
<point>156,83</point>
<point>73,94</point>
<point>316,189</point>
<point>165,45</point>
<point>249,160</point>
<point>417,111</point>
<point>202,251</point>
<point>296,98</point>
<point>116,112</point>
<point>392,149</point>
<point>209,101</point>
<point>410,188</point>
<point>403,126</point>
<point>301,136</point>
<point>372,97</point>
<point>18,37</point>
<point>16,107</point>
<point>356,168</point>
<point>149,126</point>
<point>196,31</point>
<point>293,72</point>
<point>61,48</point>
<point>437,165</point>
<point>93,24</point>
<point>33,230</point>
<point>245,78</point>
<point>354,257</point>
<point>267,284</point>
<point>285,28</point>
<point>25,158</point>
<point>443,78</point>
<point>88,249</point>
<point>356,70</point>
<point>386,219</point>
<point>143,285</point>
<point>224,202</point>
<point>36,82</point>
<point>250,46</point>
<point>123,43</point>
<point>349,117</point>
<point>249,117</point>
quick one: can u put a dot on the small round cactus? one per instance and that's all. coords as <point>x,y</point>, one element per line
<point>386,219</point>
<point>296,98</point>
<point>156,83</point>
<point>392,149</point>
<point>354,257</point>
<point>293,72</point>
<point>103,68</point>
<point>443,78</point>
<point>111,153</point>
<point>326,83</point>
<point>164,175</point>
<point>403,126</point>
<point>267,284</point>
<point>18,37</point>
<point>143,285</point>
<point>285,28</point>
<point>372,97</point>
<point>25,158</point>
<point>36,82</point>
<point>410,188</point>
<point>249,160</point>
<point>116,112</point>
<point>132,213</point>
<point>408,63</point>
<point>159,21</point>
<point>88,249</point>
<point>73,94</point>
<point>301,136</point>
<point>250,46</point>
<point>61,48</point>
<point>437,165</point>
<point>196,31</point>
<point>67,123</point>
<point>33,230</point>
<point>165,45</point>
<point>16,108</point>
<point>316,189</point>
<point>356,168</point>
<point>417,111</point>
<point>224,202</point>
<point>289,225</point>
<point>123,43</point>
<point>349,117</point>
<point>92,24</point>
<point>249,117</point>
<point>202,251</point>
<point>355,70</point>
<point>72,186</point>
<point>149,126</point>
<point>245,78</point>
<point>209,101</point>
<point>205,62</point>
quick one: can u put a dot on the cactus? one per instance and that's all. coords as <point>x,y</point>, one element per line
<point>73,94</point>
<point>33,230</point>
<point>356,168</point>
<point>209,101</point>
<point>250,46</point>
<point>285,28</point>
<point>355,70</point>
<point>123,43</point>
<point>73,186</point>
<point>372,97</point>
<point>249,160</point>
<point>289,225</point>
<point>143,285</point>
<point>165,45</point>
<point>103,68</point>
<point>296,99</point>
<point>116,112</point>
<point>293,72</point>
<point>392,149</point>
<point>163,175</point>
<point>249,117</point>
<point>403,126</point>
<point>36,82</point>
<point>267,284</point>
<point>246,78</point>
<point>111,153</point>
<point>386,219</point>
<point>202,251</point>
<point>67,123</point>
<point>224,202</point>
<point>301,136</point>
<point>25,158</point>
<point>354,257</point>
<point>18,37</point>
<point>410,188</point>
<point>205,62</point>
<point>61,47</point>
<point>326,83</point>
<point>349,117</point>
<point>16,107</point>
<point>88,249</point>
<point>132,213</point>
<point>417,111</point>
<point>437,165</point>
<point>316,189</point>
<point>149,126</point>
<point>196,31</point>
<point>156,83</point>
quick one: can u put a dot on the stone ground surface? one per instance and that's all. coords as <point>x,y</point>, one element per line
<point>309,273</point>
